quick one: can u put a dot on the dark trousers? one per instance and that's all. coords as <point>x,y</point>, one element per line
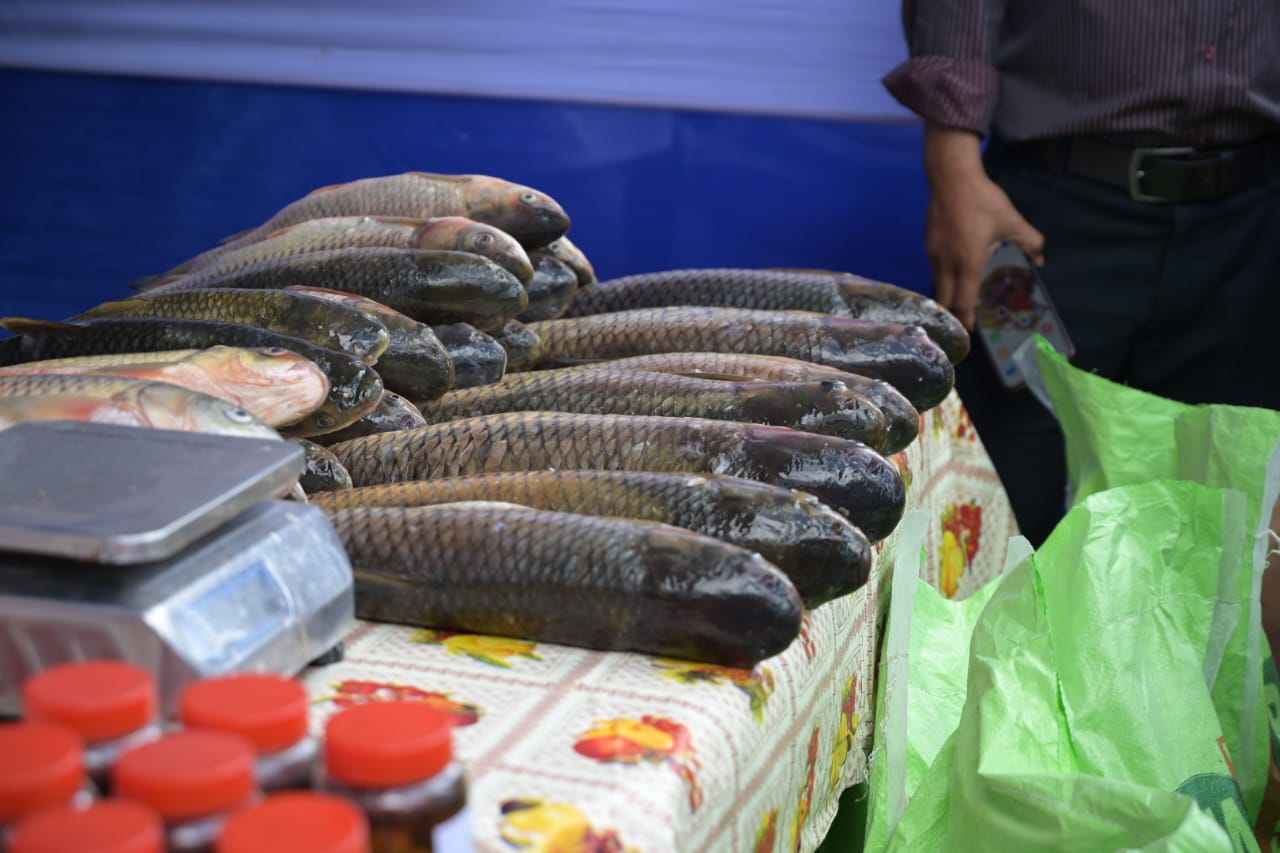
<point>1179,300</point>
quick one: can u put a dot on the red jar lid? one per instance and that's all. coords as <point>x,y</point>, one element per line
<point>297,822</point>
<point>188,773</point>
<point>100,699</point>
<point>107,826</point>
<point>42,765</point>
<point>270,710</point>
<point>386,744</point>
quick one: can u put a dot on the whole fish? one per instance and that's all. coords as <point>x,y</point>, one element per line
<point>478,359</point>
<point>822,406</point>
<point>354,387</point>
<point>550,291</point>
<point>524,350</point>
<point>348,232</point>
<point>532,217</point>
<point>322,472</point>
<point>295,314</point>
<point>904,356</point>
<point>415,363</point>
<point>823,554</point>
<point>277,385</point>
<point>144,404</point>
<point>848,476</point>
<point>599,583</point>
<point>392,413</point>
<point>566,252</point>
<point>903,419</point>
<point>840,294</point>
<point>431,286</point>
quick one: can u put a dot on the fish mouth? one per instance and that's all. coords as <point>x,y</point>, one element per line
<point>518,265</point>
<point>543,225</point>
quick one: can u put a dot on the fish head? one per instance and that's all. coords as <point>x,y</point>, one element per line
<point>173,407</point>
<point>276,384</point>
<point>355,389</point>
<point>824,406</point>
<point>531,216</point>
<point>478,238</point>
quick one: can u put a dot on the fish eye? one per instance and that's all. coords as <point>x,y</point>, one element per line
<point>239,416</point>
<point>324,421</point>
<point>482,241</point>
<point>529,197</point>
<point>275,350</point>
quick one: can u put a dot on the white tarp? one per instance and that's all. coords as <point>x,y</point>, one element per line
<point>820,58</point>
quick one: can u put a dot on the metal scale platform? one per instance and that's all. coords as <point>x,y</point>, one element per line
<point>167,549</point>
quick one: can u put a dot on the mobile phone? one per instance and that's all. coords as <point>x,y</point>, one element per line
<point>1013,305</point>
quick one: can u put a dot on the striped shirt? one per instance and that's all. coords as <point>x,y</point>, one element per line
<point>1139,72</point>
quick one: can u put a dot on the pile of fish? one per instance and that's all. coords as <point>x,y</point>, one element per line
<point>673,463</point>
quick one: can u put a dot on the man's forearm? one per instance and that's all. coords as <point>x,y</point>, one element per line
<point>951,154</point>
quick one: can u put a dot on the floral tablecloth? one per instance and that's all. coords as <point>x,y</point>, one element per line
<point>574,750</point>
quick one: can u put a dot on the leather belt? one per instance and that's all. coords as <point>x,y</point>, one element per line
<point>1168,175</point>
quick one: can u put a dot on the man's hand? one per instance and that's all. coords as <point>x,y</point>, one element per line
<point>968,217</point>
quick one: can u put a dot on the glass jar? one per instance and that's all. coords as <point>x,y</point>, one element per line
<point>41,765</point>
<point>195,779</point>
<point>107,826</point>
<point>270,711</point>
<point>297,822</point>
<point>110,703</point>
<point>395,761</point>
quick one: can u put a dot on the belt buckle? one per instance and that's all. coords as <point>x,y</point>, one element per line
<point>1136,173</point>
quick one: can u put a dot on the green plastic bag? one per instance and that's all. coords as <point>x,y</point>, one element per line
<point>1117,436</point>
<point>920,689</point>
<point>1087,723</point>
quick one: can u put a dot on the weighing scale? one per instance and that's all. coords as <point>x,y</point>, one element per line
<point>167,549</point>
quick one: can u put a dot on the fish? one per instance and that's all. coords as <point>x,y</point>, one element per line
<point>903,418</point>
<point>904,356</point>
<point>598,583</point>
<point>392,413</point>
<point>322,472</point>
<point>566,252</point>
<point>478,359</point>
<point>524,350</point>
<point>455,233</point>
<point>531,216</point>
<point>824,555</point>
<point>415,364</point>
<point>295,314</point>
<point>550,291</point>
<point>822,406</point>
<point>847,476</point>
<point>839,294</point>
<point>312,235</point>
<point>427,285</point>
<point>354,387</point>
<point>278,386</point>
<point>157,405</point>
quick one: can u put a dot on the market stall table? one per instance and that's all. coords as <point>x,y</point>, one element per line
<point>570,749</point>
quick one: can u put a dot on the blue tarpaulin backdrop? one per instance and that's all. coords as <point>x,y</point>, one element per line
<point>107,176</point>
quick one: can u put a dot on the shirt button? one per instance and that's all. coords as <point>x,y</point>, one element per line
<point>1210,53</point>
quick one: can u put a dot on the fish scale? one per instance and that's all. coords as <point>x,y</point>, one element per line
<point>823,406</point>
<point>600,583</point>
<point>823,554</point>
<point>846,475</point>
<point>904,356</point>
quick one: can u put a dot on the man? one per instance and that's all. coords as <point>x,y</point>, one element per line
<point>1134,153</point>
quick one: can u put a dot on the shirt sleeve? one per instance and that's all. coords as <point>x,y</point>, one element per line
<point>951,77</point>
